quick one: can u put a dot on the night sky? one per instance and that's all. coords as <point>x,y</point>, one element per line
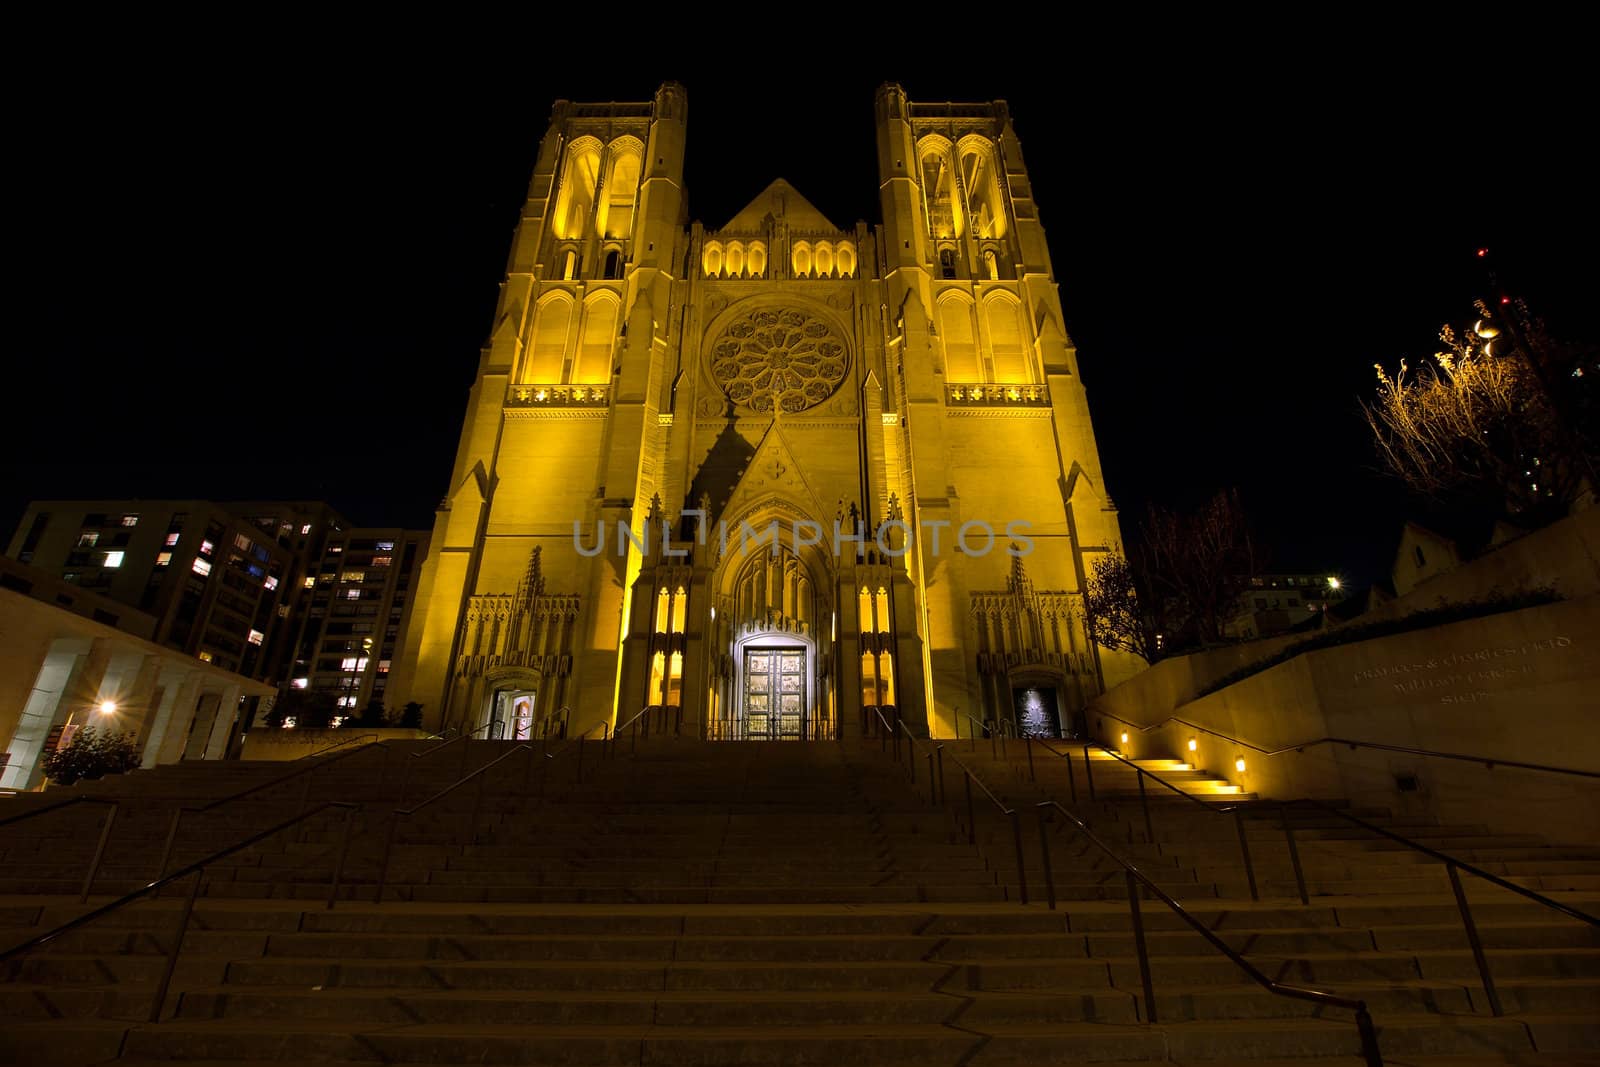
<point>269,276</point>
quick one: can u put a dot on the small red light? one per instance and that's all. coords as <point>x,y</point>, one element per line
<point>1482,252</point>
<point>1505,300</point>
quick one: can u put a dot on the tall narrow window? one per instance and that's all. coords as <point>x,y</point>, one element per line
<point>614,263</point>
<point>757,259</point>
<point>847,259</point>
<point>802,260</point>
<point>960,345</point>
<point>982,183</point>
<point>824,259</point>
<point>938,190</point>
<point>622,187</point>
<point>713,258</point>
<point>593,366</point>
<point>735,260</point>
<point>551,323</point>
<point>575,201</point>
<point>1011,363</point>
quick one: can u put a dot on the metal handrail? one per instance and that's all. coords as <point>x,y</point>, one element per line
<point>460,739</point>
<point>1236,810</point>
<point>1003,727</point>
<point>337,744</point>
<point>100,846</point>
<point>1137,879</point>
<point>936,790</point>
<point>1452,865</point>
<point>305,795</point>
<point>1487,761</point>
<point>197,869</point>
<point>406,813</point>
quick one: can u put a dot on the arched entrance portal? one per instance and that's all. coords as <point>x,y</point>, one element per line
<point>772,622</point>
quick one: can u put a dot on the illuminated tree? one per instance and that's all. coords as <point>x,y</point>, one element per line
<point>1116,612</point>
<point>1178,586</point>
<point>92,754</point>
<point>1196,566</point>
<point>1500,420</point>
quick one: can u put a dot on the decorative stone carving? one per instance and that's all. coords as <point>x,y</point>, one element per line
<point>783,357</point>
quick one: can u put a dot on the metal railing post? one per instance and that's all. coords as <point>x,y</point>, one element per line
<point>477,810</point>
<point>1244,850</point>
<point>1144,953</point>
<point>933,784</point>
<point>344,852</point>
<point>99,852</point>
<point>1474,940</point>
<point>1088,771</point>
<point>1144,802</point>
<point>181,929</point>
<point>1044,853</point>
<point>1294,855</point>
<point>939,751</point>
<point>1072,778</point>
<point>972,827</point>
<point>1016,833</point>
<point>383,864</point>
<point>166,849</point>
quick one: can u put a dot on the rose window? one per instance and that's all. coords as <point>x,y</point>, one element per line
<point>787,358</point>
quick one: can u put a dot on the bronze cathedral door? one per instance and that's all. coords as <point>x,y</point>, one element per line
<point>774,694</point>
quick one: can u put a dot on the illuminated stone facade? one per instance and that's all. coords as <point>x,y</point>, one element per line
<point>907,381</point>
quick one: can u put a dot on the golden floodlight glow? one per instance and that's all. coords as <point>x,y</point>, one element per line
<point>1238,765</point>
<point>108,707</point>
<point>1193,744</point>
<point>1333,583</point>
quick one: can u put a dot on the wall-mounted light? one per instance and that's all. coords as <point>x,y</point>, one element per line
<point>1124,737</point>
<point>1193,744</point>
<point>108,707</point>
<point>1238,765</point>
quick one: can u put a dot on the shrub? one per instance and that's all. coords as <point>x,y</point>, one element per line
<point>92,754</point>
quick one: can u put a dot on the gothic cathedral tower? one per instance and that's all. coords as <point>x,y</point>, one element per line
<point>776,474</point>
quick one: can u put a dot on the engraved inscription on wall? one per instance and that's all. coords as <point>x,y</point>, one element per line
<point>1461,677</point>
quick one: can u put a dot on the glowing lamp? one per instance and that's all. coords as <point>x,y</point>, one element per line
<point>108,707</point>
<point>1482,253</point>
<point>1193,744</point>
<point>1124,738</point>
<point>1238,765</point>
<point>1333,583</point>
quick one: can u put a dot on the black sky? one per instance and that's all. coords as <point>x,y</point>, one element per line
<point>269,275</point>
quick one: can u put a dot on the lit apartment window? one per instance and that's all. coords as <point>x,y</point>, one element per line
<point>271,582</point>
<point>382,561</point>
<point>205,657</point>
<point>352,594</point>
<point>88,539</point>
<point>206,548</point>
<point>299,683</point>
<point>255,637</point>
<point>202,566</point>
<point>242,543</point>
<point>332,549</point>
<point>305,529</point>
<point>172,539</point>
<point>310,582</point>
<point>130,520</point>
<point>347,702</point>
<point>385,546</point>
<point>113,559</point>
<point>353,576</point>
<point>348,663</point>
<point>163,558</point>
<point>383,666</point>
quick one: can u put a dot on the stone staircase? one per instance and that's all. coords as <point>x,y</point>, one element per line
<point>691,902</point>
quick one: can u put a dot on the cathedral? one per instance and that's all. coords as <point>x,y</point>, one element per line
<point>773,476</point>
